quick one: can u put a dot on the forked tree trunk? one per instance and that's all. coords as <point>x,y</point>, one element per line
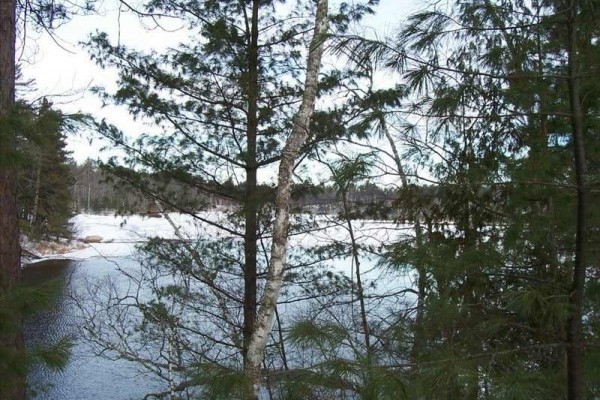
<point>268,302</point>
<point>12,382</point>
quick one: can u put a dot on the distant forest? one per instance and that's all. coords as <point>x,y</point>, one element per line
<point>93,191</point>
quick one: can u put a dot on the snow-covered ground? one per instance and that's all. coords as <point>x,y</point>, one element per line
<point>120,234</point>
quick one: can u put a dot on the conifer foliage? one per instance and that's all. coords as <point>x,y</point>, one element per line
<point>45,182</point>
<point>507,123</point>
<point>224,101</point>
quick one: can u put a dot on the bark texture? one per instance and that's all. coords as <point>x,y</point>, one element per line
<point>12,385</point>
<point>574,325</point>
<point>297,138</point>
<point>251,205</point>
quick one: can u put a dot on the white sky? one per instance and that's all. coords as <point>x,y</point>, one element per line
<point>66,71</point>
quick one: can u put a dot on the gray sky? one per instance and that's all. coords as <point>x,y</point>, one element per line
<point>66,71</point>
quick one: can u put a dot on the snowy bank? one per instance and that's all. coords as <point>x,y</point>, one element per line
<point>119,235</point>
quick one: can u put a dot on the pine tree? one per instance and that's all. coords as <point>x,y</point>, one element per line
<point>224,105</point>
<point>11,340</point>
<point>499,93</point>
<point>289,157</point>
<point>43,15</point>
<point>44,184</point>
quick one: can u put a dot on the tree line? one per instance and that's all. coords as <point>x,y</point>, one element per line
<point>94,190</point>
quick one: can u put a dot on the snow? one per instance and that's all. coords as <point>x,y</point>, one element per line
<point>121,234</point>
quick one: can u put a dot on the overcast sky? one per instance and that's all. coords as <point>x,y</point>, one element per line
<point>66,71</point>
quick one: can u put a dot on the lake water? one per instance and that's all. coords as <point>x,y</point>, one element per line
<point>87,376</point>
<point>91,377</point>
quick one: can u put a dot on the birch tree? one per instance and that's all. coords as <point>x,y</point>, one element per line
<point>289,155</point>
<point>223,106</point>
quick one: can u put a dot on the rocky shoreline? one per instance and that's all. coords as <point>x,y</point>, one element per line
<point>34,251</point>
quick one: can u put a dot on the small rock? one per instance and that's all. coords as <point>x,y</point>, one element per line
<point>92,239</point>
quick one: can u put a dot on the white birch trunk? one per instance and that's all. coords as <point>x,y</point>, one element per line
<point>268,302</point>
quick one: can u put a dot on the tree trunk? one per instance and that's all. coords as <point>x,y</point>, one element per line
<point>289,156</point>
<point>36,198</point>
<point>574,325</point>
<point>359,285</point>
<point>12,382</point>
<point>419,340</point>
<point>89,195</point>
<point>251,199</point>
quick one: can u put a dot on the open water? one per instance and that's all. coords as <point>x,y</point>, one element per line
<point>87,376</point>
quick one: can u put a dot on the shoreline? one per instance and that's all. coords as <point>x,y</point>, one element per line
<point>109,236</point>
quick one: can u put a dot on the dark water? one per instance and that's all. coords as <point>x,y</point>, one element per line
<point>87,376</point>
